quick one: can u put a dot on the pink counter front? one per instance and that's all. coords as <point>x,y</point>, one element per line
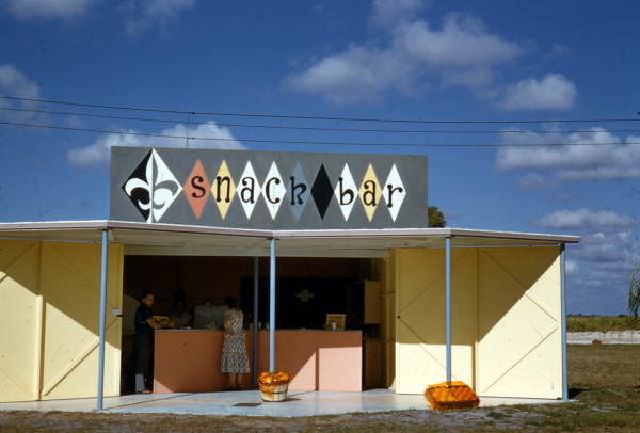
<point>189,361</point>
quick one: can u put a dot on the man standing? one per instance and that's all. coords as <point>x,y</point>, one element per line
<point>144,327</point>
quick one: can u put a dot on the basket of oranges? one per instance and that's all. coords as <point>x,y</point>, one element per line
<point>451,396</point>
<point>273,386</point>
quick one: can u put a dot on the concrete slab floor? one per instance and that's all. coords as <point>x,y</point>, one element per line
<point>248,403</point>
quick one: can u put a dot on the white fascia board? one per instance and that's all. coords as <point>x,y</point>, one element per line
<point>287,233</point>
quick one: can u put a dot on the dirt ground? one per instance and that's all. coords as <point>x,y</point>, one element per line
<point>605,382</point>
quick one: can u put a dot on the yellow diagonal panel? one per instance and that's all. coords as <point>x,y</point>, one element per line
<point>370,192</point>
<point>18,320</point>
<point>420,350</point>
<point>70,280</point>
<point>518,326</point>
<point>223,189</point>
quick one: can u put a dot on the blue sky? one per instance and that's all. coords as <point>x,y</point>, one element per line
<point>491,60</point>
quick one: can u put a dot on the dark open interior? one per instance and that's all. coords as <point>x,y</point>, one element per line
<point>307,290</point>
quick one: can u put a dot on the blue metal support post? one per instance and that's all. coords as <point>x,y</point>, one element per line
<point>254,369</point>
<point>272,305</point>
<point>102,324</point>
<point>563,323</point>
<point>447,252</point>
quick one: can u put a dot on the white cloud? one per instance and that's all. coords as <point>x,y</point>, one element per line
<point>535,181</point>
<point>571,267</point>
<point>99,151</point>
<point>598,267</point>
<point>15,83</point>
<point>585,218</point>
<point>604,261</point>
<point>616,158</point>
<point>609,249</point>
<point>462,52</point>
<point>388,13</point>
<point>358,74</point>
<point>143,14</point>
<point>28,9</point>
<point>552,92</point>
<point>140,15</point>
<point>462,42</point>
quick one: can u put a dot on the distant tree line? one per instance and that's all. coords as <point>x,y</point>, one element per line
<point>436,217</point>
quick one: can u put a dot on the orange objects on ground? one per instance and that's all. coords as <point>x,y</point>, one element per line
<point>273,385</point>
<point>276,378</point>
<point>451,396</point>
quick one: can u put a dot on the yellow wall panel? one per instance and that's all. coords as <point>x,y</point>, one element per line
<point>420,347</point>
<point>49,320</point>
<point>115,299</point>
<point>519,347</point>
<point>19,319</point>
<point>505,320</point>
<point>70,279</point>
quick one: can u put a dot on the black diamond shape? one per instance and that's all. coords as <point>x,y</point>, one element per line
<point>322,191</point>
<point>140,195</point>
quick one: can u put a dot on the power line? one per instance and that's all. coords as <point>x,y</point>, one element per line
<point>319,117</point>
<point>305,142</point>
<point>308,128</point>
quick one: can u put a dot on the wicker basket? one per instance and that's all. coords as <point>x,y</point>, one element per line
<point>274,393</point>
<point>451,396</point>
<point>273,386</point>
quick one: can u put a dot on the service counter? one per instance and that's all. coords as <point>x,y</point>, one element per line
<point>189,360</point>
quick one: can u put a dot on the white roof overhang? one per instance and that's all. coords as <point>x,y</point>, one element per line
<point>169,239</point>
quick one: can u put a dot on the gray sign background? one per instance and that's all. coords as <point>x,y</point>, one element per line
<point>412,170</point>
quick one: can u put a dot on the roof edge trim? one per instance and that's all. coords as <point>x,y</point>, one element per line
<point>434,232</point>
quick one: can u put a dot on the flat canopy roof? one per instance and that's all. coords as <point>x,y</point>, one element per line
<point>169,239</point>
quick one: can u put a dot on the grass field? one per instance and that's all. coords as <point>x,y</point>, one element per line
<point>602,323</point>
<point>605,383</point>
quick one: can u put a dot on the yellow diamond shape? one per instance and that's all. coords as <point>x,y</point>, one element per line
<point>223,189</point>
<point>370,192</point>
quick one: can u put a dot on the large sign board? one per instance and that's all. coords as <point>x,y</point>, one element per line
<point>268,190</point>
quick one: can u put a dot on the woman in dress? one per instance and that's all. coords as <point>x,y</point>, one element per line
<point>234,351</point>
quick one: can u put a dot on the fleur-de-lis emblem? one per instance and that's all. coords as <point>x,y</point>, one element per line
<point>152,183</point>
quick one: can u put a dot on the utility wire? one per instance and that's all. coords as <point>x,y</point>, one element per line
<point>308,128</point>
<point>318,117</point>
<point>306,142</point>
